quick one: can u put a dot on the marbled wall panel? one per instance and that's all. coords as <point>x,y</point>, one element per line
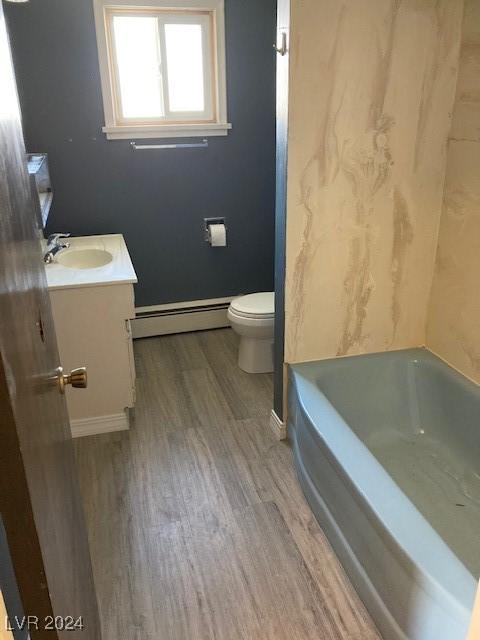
<point>454,314</point>
<point>371,93</point>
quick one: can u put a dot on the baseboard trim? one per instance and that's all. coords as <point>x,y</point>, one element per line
<point>278,427</point>
<point>99,424</point>
<point>176,306</point>
<point>180,317</point>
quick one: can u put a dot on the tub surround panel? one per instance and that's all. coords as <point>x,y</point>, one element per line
<point>372,86</point>
<point>454,314</point>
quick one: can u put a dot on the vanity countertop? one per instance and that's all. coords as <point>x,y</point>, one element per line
<point>119,271</point>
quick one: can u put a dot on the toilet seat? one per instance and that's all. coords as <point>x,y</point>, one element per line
<point>254,305</point>
<point>260,323</point>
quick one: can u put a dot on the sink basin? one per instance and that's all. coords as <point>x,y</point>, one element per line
<point>91,261</point>
<point>84,258</point>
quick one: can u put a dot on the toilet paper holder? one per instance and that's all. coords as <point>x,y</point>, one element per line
<point>207,222</point>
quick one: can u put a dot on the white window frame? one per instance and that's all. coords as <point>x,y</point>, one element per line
<point>213,123</point>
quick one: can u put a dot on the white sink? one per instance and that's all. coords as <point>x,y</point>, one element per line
<point>91,261</point>
<point>84,258</point>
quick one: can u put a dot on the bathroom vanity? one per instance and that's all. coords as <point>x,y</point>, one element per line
<point>91,291</point>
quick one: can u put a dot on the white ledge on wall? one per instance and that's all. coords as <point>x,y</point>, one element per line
<point>167,131</point>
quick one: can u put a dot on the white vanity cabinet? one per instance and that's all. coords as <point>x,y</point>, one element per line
<point>92,309</point>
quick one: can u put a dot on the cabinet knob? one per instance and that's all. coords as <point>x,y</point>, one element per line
<point>77,378</point>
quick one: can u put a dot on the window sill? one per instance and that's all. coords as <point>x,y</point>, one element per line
<point>167,131</point>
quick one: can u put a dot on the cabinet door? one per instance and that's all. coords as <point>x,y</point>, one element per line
<point>92,330</point>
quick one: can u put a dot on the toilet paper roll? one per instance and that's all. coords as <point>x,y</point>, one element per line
<point>217,235</point>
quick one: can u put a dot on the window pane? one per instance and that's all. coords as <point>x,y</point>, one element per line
<point>138,60</point>
<point>185,67</point>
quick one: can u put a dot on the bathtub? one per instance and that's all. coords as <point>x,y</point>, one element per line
<point>387,450</point>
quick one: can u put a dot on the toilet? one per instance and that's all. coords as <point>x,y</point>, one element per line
<point>252,317</point>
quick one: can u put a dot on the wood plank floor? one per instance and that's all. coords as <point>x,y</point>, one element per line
<point>197,525</point>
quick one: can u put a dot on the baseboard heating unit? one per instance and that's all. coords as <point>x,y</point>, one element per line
<point>180,317</point>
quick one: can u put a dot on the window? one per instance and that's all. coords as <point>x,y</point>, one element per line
<point>162,65</point>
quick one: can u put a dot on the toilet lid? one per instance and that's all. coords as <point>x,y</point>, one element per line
<point>255,304</point>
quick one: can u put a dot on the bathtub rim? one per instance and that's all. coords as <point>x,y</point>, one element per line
<point>420,544</point>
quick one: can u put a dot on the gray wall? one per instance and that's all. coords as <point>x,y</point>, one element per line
<point>157,199</point>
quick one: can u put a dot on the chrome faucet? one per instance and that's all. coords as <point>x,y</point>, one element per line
<point>54,246</point>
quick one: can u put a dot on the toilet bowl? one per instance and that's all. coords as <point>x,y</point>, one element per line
<point>252,318</point>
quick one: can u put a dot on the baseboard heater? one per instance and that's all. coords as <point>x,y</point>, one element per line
<point>180,317</point>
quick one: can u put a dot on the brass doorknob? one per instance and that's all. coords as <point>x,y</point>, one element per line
<point>77,378</point>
